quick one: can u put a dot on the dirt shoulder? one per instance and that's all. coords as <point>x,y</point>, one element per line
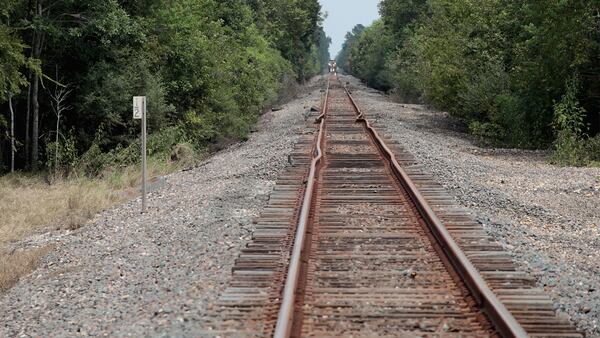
<point>547,217</point>
<point>155,274</point>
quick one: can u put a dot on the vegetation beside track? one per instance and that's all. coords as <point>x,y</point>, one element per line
<point>69,70</point>
<point>209,68</point>
<point>520,74</point>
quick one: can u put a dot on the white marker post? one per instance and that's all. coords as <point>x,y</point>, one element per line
<point>139,113</point>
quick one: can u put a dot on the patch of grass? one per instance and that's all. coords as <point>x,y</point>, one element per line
<point>28,203</point>
<point>32,203</point>
<point>14,265</point>
<point>571,151</point>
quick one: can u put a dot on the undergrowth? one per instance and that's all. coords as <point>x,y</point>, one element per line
<point>69,198</point>
<point>572,145</point>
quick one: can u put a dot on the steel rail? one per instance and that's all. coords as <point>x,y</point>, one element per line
<point>500,317</point>
<point>286,310</point>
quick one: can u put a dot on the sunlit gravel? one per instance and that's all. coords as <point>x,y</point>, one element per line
<point>547,217</point>
<point>158,274</point>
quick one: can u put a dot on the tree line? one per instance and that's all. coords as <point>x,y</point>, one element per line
<point>519,73</point>
<point>69,69</point>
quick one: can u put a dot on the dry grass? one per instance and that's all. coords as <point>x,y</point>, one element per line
<point>30,204</point>
<point>17,264</point>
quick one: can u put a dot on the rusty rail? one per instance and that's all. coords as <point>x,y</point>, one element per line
<point>504,321</point>
<point>286,310</point>
<point>498,314</point>
<point>348,245</point>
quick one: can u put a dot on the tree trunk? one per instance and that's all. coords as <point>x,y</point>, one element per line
<point>35,127</point>
<point>27,117</point>
<point>12,134</point>
<point>56,143</point>
<point>35,132</point>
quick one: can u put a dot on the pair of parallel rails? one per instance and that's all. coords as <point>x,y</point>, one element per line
<point>357,241</point>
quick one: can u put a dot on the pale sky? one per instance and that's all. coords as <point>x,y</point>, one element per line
<point>343,15</point>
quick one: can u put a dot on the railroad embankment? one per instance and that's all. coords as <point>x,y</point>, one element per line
<point>545,216</point>
<point>162,272</point>
<point>127,274</point>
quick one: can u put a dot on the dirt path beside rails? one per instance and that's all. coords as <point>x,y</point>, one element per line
<point>547,217</point>
<point>156,274</point>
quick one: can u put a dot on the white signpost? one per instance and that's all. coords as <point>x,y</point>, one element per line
<point>139,113</point>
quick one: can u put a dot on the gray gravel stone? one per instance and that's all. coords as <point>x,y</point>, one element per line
<point>546,217</point>
<point>157,274</point>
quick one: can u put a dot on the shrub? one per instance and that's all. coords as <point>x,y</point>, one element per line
<point>184,154</point>
<point>592,149</point>
<point>92,162</point>
<point>502,64</point>
<point>487,133</point>
<point>66,156</point>
<point>569,127</point>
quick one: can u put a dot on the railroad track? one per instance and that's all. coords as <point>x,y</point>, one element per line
<point>358,241</point>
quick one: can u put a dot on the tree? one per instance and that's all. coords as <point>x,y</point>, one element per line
<point>323,49</point>
<point>209,68</point>
<point>500,65</point>
<point>343,58</point>
<point>370,52</point>
<point>292,27</point>
<point>11,79</point>
<point>59,97</point>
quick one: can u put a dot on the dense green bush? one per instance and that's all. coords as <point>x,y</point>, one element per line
<point>569,126</point>
<point>61,156</point>
<point>209,68</point>
<point>500,65</point>
<point>368,56</point>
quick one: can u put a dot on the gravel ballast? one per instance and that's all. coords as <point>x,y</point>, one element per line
<point>158,274</point>
<point>546,217</point>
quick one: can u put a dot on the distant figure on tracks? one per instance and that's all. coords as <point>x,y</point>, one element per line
<point>332,66</point>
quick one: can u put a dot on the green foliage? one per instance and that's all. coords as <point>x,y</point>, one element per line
<point>369,54</point>
<point>93,161</point>
<point>343,58</point>
<point>159,146</point>
<point>66,157</point>
<point>569,127</point>
<point>292,26</point>
<point>498,64</point>
<point>400,15</point>
<point>209,69</point>
<point>108,99</point>
<point>323,55</point>
<point>11,61</point>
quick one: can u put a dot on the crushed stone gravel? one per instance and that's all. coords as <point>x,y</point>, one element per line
<point>158,274</point>
<point>546,217</point>
<point>131,275</point>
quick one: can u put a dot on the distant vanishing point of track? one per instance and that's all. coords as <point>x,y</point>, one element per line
<point>357,241</point>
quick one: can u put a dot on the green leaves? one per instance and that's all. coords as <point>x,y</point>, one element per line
<point>292,27</point>
<point>369,55</point>
<point>498,64</point>
<point>12,62</point>
<point>209,68</point>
